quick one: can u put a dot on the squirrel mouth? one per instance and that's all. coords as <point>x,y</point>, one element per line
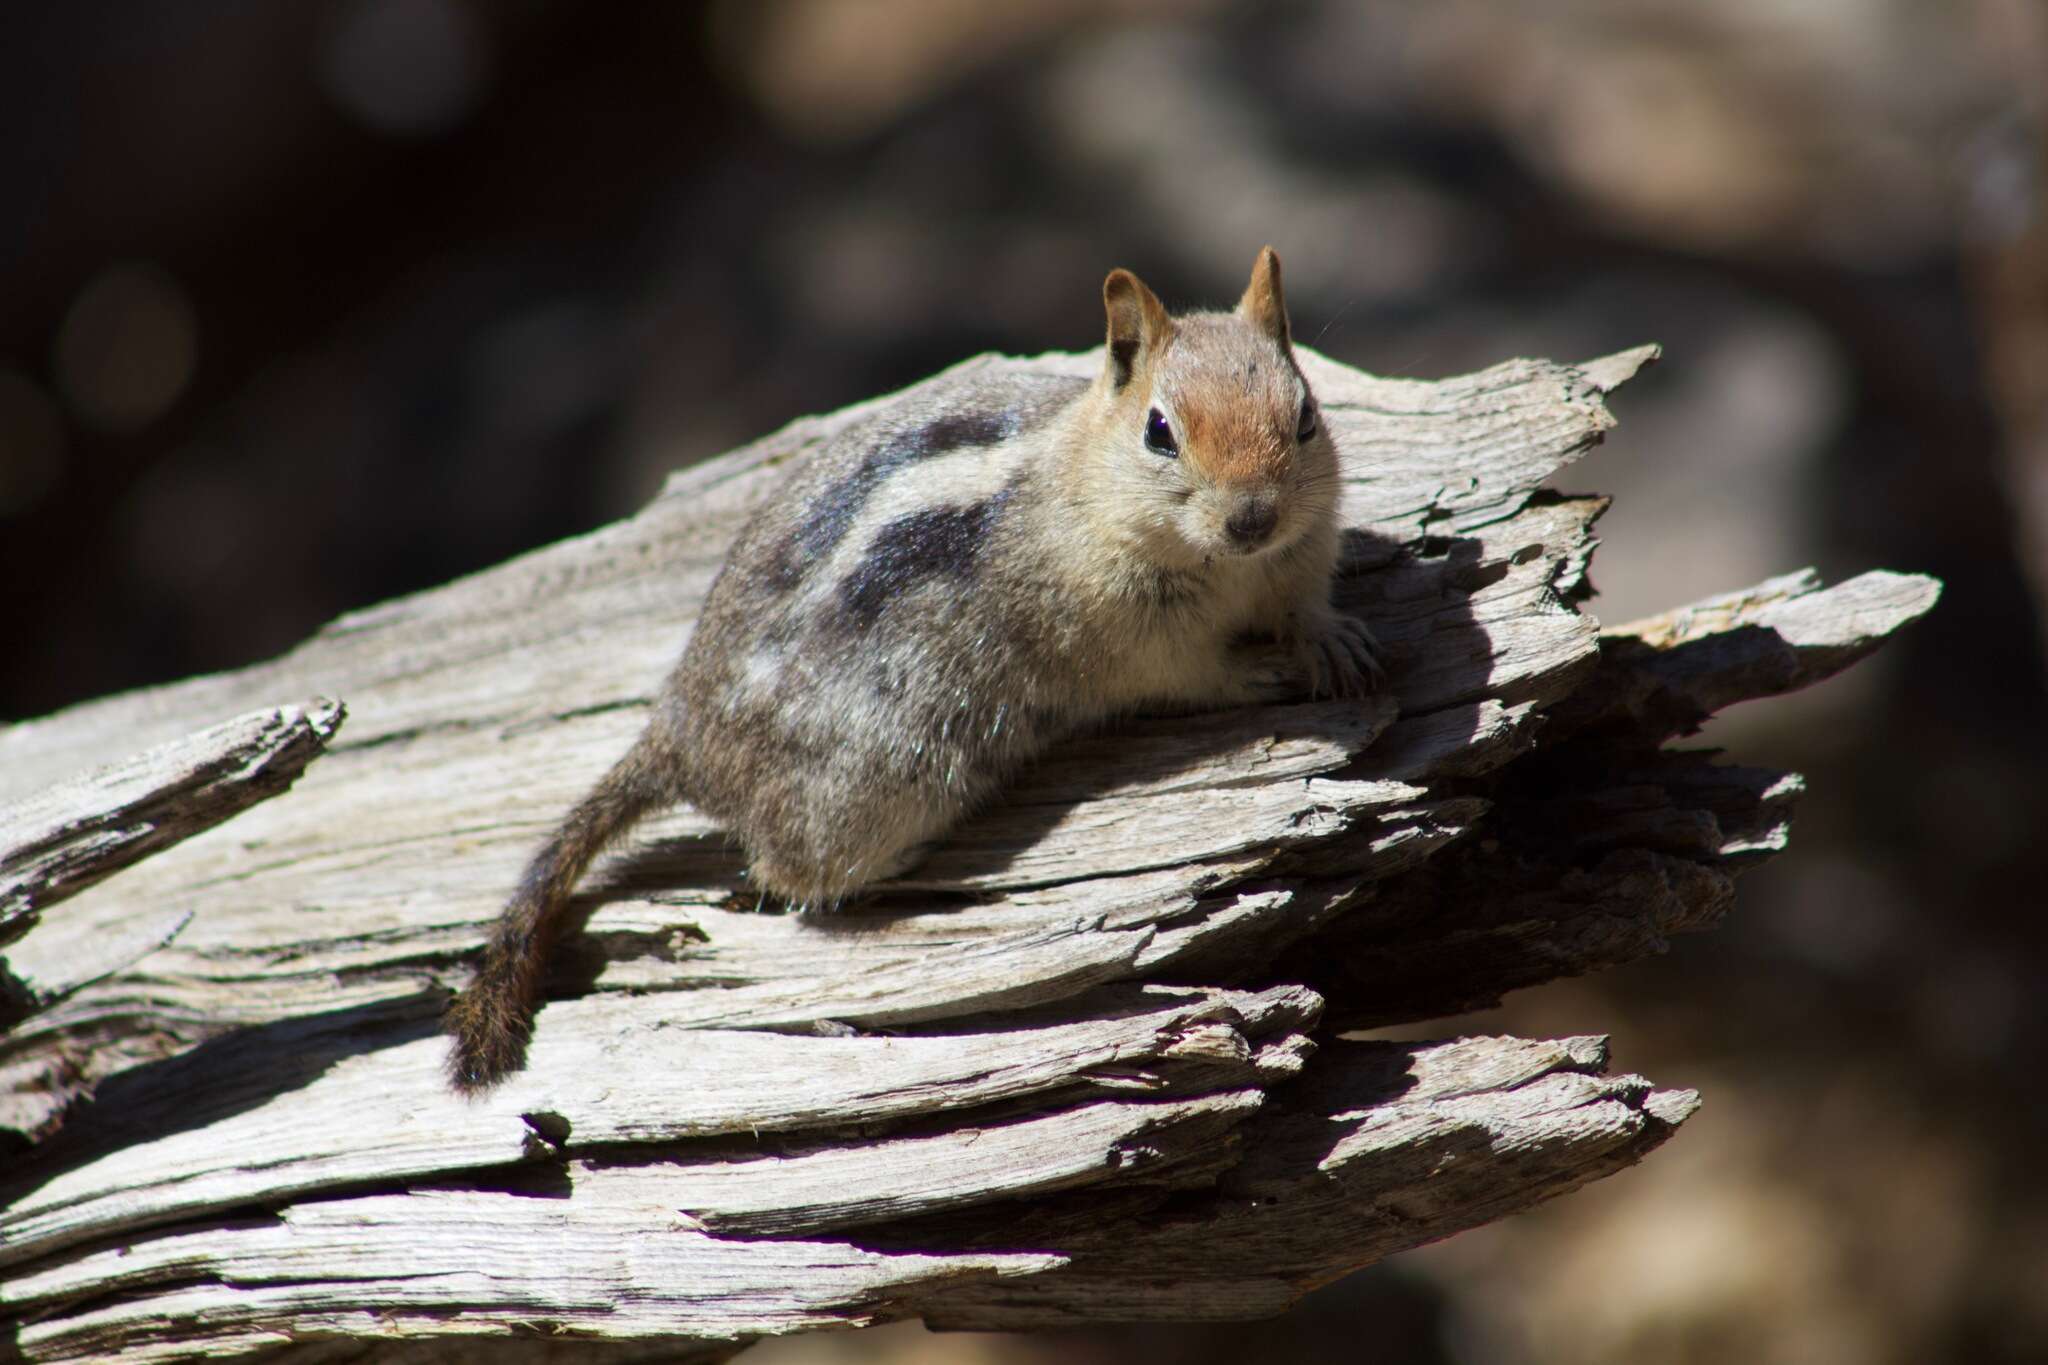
<point>1234,547</point>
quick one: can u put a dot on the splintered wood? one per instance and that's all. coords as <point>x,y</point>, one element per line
<point>1082,1065</point>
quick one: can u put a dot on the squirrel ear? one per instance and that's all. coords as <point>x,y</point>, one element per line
<point>1137,322</point>
<point>1263,305</point>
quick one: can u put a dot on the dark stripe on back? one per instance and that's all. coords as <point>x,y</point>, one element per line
<point>991,409</point>
<point>937,542</point>
<point>832,513</point>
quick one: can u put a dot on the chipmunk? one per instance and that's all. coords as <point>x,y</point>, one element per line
<point>947,588</point>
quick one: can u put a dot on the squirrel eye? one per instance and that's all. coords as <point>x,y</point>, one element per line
<point>1159,436</point>
<point>1306,426</point>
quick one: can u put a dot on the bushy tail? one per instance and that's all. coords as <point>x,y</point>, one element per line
<point>493,1019</point>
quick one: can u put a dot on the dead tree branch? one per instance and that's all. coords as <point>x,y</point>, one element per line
<point>1082,1066</point>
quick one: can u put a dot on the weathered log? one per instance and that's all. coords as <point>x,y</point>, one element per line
<point>1079,1066</point>
<point>64,838</point>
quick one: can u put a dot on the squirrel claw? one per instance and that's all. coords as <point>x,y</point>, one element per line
<point>1342,659</point>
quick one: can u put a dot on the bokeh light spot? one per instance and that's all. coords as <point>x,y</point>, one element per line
<point>409,68</point>
<point>127,348</point>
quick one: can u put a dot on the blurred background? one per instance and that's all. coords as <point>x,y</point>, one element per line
<point>303,305</point>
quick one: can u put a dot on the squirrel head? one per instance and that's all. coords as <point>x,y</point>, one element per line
<point>1208,443</point>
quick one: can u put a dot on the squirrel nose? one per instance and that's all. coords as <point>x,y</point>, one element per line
<point>1251,521</point>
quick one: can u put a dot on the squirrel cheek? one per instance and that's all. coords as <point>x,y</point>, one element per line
<point>1192,526</point>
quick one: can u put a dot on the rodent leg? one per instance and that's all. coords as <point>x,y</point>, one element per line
<point>1258,672</point>
<point>820,866</point>
<point>1339,654</point>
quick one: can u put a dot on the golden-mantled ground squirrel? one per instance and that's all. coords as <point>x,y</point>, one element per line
<point>944,590</point>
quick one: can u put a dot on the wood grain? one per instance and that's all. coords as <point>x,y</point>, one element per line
<point>1079,1066</point>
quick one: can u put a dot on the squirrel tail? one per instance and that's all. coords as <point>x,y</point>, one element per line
<point>493,1019</point>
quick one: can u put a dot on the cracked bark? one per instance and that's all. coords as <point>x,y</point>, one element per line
<point>1082,1065</point>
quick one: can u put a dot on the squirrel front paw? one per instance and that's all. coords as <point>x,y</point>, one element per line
<point>1340,657</point>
